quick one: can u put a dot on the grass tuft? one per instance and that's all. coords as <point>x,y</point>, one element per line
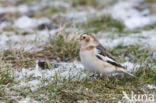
<point>6,78</point>
<point>18,58</point>
<point>6,75</point>
<point>84,2</point>
<point>149,27</point>
<point>62,45</point>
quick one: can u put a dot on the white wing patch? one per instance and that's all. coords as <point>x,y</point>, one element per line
<point>107,59</point>
<point>104,58</point>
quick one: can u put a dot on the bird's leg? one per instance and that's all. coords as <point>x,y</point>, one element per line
<point>95,75</point>
<point>92,75</point>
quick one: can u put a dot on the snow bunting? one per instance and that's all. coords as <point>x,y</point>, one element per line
<point>95,58</point>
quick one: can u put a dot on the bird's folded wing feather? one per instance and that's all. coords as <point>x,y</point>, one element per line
<point>104,56</point>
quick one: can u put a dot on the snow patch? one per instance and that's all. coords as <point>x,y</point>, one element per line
<point>60,4</point>
<point>65,71</point>
<point>26,42</point>
<point>73,71</point>
<point>13,9</point>
<point>34,84</point>
<point>23,8</point>
<point>26,22</point>
<point>131,66</point>
<point>28,100</point>
<point>150,86</point>
<point>11,40</point>
<point>80,16</point>
<point>145,37</point>
<point>7,9</point>
<point>132,18</point>
<point>119,102</point>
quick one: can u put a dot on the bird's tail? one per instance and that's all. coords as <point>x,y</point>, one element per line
<point>126,72</point>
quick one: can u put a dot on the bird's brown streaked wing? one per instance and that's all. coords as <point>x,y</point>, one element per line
<point>102,52</point>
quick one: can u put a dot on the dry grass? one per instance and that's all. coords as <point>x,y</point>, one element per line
<point>18,57</point>
<point>62,45</point>
<point>103,89</point>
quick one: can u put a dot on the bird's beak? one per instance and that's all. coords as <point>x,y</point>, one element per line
<point>78,38</point>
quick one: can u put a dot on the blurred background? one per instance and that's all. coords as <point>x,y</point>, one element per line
<point>27,24</point>
<point>24,21</point>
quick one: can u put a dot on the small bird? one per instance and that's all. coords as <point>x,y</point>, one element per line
<point>95,58</point>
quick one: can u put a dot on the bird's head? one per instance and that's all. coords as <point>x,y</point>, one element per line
<point>87,40</point>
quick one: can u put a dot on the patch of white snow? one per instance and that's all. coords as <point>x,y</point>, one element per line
<point>132,18</point>
<point>25,22</point>
<point>28,100</point>
<point>150,86</point>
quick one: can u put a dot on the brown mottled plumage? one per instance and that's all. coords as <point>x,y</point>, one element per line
<point>89,48</point>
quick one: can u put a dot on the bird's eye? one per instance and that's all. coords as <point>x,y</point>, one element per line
<point>84,37</point>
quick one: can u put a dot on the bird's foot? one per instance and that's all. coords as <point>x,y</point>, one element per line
<point>92,75</point>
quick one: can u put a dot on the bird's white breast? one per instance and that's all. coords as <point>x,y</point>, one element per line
<point>92,64</point>
<point>87,60</point>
